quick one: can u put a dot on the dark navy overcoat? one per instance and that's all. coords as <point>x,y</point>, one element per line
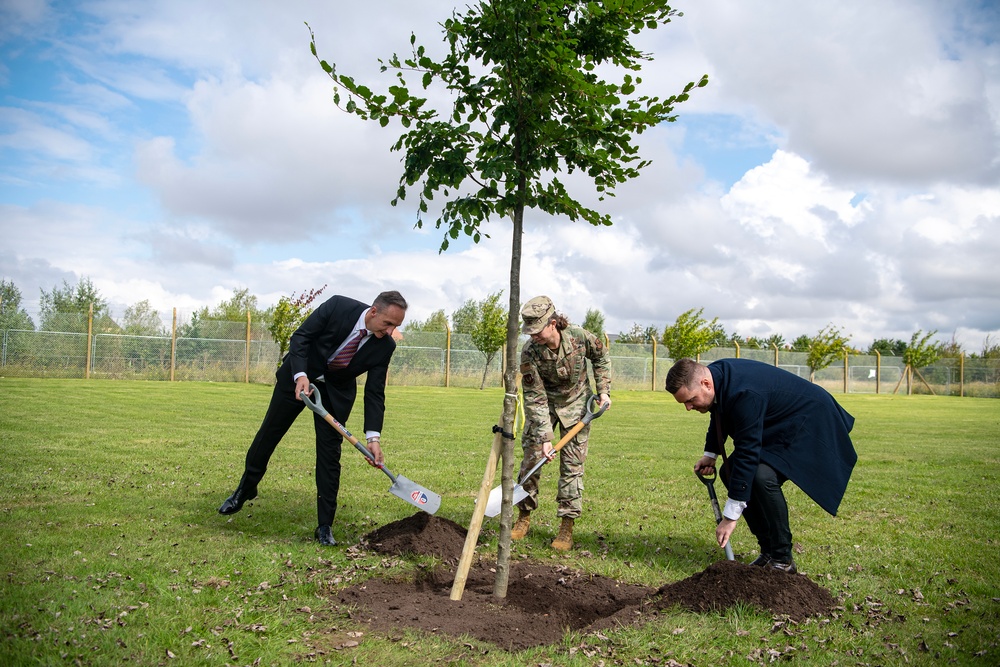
<point>780,419</point>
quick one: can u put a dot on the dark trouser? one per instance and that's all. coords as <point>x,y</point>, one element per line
<point>767,514</point>
<point>281,414</point>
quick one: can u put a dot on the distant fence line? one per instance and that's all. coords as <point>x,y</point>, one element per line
<point>244,352</point>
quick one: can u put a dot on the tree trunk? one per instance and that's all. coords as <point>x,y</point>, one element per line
<point>510,401</point>
<point>482,385</point>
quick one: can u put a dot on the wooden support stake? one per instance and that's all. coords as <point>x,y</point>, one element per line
<point>926,384</point>
<point>469,550</point>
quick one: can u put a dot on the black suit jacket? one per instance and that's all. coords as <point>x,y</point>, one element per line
<point>318,338</point>
<point>777,418</point>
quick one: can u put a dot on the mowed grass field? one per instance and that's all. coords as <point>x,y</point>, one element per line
<point>113,552</point>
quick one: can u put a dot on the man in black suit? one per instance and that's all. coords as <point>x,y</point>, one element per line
<point>783,427</point>
<point>339,341</point>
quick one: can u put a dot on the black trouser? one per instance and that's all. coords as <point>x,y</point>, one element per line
<point>766,514</point>
<point>281,414</point>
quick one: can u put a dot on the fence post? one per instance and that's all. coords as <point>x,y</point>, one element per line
<point>961,375</point>
<point>652,380</point>
<point>845,372</point>
<point>447,355</point>
<point>775,346</point>
<point>736,343</point>
<point>246,364</point>
<point>90,339</point>
<point>878,371</point>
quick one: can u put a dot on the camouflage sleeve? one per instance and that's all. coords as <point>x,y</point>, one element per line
<point>597,352</point>
<point>537,428</point>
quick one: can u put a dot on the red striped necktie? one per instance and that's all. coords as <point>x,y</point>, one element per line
<point>344,356</point>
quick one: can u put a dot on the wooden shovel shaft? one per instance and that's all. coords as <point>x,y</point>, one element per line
<point>588,417</point>
<point>357,444</point>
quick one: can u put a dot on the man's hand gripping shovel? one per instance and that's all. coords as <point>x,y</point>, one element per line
<point>496,495</point>
<point>411,492</point>
<point>710,483</point>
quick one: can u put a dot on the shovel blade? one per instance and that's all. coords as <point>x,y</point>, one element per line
<point>416,495</point>
<point>495,501</point>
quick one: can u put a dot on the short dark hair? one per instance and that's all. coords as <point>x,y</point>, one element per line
<point>390,298</point>
<point>682,374</point>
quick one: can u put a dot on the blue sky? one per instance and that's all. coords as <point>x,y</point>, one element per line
<point>842,167</point>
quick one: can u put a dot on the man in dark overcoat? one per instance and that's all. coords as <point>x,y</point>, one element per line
<point>339,341</point>
<point>783,428</point>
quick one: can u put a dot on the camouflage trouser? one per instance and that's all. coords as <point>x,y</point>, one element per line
<point>572,456</point>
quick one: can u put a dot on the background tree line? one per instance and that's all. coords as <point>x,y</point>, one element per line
<point>67,307</point>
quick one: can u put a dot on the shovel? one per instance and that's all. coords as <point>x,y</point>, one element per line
<point>496,495</point>
<point>710,483</point>
<point>411,492</point>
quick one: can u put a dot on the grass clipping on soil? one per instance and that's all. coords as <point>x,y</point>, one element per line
<point>545,600</point>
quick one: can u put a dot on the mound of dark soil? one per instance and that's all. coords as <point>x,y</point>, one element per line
<point>420,534</point>
<point>543,600</point>
<point>727,583</point>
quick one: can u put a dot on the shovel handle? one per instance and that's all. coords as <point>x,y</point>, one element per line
<point>588,417</point>
<point>709,481</point>
<point>316,405</point>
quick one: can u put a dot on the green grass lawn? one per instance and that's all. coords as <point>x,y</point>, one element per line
<point>113,551</point>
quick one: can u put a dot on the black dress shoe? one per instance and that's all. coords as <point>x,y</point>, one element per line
<point>234,503</point>
<point>325,536</point>
<point>761,560</point>
<point>788,567</point>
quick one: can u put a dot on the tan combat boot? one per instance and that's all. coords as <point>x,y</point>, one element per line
<point>564,540</point>
<point>520,528</point>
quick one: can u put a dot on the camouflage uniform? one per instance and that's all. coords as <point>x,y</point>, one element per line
<point>556,390</point>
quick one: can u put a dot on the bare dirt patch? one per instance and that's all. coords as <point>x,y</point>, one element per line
<point>544,600</point>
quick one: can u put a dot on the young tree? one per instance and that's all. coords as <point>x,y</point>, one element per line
<point>235,308</point>
<point>436,323</point>
<point>527,101</point>
<point>774,341</point>
<point>141,324</point>
<point>638,335</point>
<point>824,348</point>
<point>67,308</point>
<point>802,343</point>
<point>288,316</point>
<point>464,319</point>
<point>490,331</point>
<point>691,334</point>
<point>594,323</point>
<point>888,347</point>
<point>919,353</point>
<point>12,315</point>
<point>141,319</point>
<point>990,349</point>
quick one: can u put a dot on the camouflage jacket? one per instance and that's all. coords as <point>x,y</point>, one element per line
<point>555,381</point>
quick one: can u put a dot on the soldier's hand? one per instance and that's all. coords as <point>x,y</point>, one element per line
<point>547,450</point>
<point>605,401</point>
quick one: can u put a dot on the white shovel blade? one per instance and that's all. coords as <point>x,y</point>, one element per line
<point>495,500</point>
<point>416,495</point>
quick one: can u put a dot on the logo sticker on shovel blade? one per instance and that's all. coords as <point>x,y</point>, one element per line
<point>419,497</point>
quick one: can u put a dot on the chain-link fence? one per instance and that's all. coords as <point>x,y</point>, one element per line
<point>245,352</point>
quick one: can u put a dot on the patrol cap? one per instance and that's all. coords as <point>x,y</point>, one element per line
<point>536,314</point>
